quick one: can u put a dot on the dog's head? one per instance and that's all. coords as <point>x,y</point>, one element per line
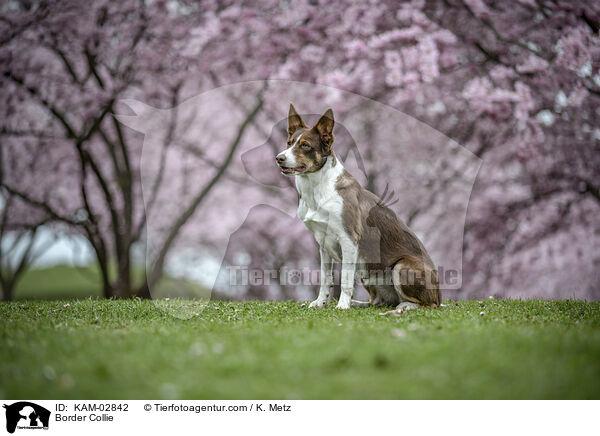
<point>307,148</point>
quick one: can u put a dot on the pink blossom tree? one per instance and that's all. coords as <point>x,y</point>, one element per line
<point>517,84</point>
<point>65,65</point>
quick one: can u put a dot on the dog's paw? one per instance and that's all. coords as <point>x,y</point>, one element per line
<point>343,306</point>
<point>401,309</point>
<point>318,303</point>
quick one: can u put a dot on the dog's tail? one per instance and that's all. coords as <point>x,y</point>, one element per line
<point>359,303</point>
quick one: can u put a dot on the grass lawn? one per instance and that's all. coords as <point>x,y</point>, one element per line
<point>101,349</point>
<point>59,282</point>
<point>68,282</point>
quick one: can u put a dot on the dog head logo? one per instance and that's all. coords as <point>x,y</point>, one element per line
<point>208,168</point>
<point>26,415</point>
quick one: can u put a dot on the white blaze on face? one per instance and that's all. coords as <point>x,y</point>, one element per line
<point>288,153</point>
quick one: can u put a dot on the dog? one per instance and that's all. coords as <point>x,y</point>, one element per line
<point>354,227</point>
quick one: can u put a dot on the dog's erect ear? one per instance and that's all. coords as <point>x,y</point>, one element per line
<point>294,121</point>
<point>325,128</point>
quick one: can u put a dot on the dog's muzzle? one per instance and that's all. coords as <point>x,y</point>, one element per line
<point>288,170</point>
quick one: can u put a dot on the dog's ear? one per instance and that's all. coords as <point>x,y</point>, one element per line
<point>294,121</point>
<point>324,128</point>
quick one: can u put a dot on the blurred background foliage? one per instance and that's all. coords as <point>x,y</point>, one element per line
<point>516,83</point>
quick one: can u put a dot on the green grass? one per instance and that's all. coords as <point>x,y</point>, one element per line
<point>101,349</point>
<point>64,282</point>
<point>59,282</point>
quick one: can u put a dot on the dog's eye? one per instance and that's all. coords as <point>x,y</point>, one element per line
<point>289,142</point>
<point>305,145</point>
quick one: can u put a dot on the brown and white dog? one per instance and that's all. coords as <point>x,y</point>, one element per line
<point>353,226</point>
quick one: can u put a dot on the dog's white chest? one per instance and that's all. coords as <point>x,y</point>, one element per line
<point>316,219</point>
<point>320,208</point>
<point>324,226</point>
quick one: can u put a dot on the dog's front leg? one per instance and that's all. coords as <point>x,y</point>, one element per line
<point>326,279</point>
<point>349,259</point>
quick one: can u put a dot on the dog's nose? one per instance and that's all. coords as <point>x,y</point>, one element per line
<point>280,159</point>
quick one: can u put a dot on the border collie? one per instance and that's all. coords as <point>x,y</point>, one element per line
<point>354,227</point>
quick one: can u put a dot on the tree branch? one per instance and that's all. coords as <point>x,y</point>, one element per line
<point>157,268</point>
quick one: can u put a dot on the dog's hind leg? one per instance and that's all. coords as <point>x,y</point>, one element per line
<point>416,282</point>
<point>416,285</point>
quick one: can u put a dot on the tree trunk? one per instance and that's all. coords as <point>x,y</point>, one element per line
<point>122,284</point>
<point>143,291</point>
<point>107,289</point>
<point>7,290</point>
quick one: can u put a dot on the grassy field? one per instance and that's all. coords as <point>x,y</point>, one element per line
<point>101,349</point>
<point>68,282</point>
<point>59,282</point>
